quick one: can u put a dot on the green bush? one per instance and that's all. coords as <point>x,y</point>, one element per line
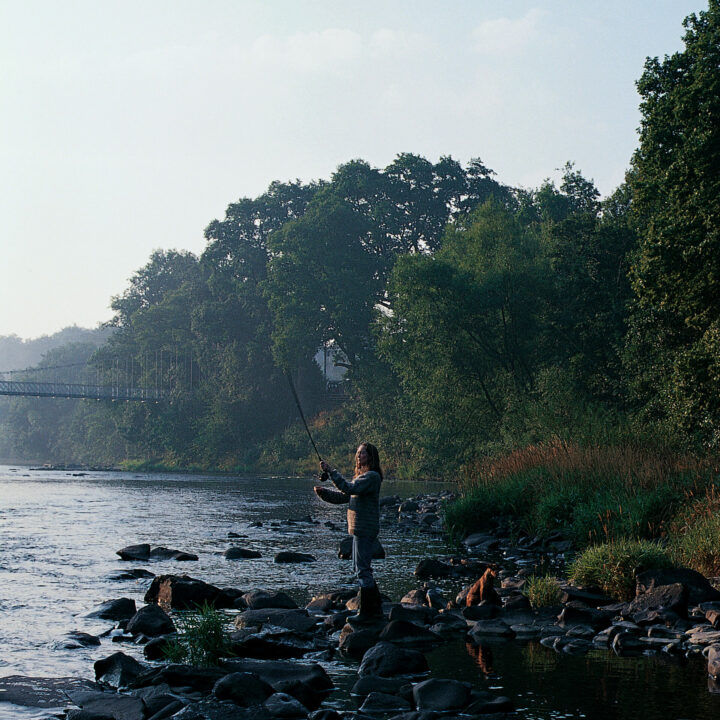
<point>612,566</point>
<point>698,547</point>
<point>542,591</point>
<point>202,637</point>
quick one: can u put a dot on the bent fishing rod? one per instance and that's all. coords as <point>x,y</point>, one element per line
<point>302,415</point>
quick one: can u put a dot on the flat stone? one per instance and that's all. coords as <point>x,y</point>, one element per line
<point>40,692</point>
<point>378,702</point>
<point>120,707</point>
<point>262,599</point>
<point>491,627</point>
<point>387,660</point>
<point>297,619</point>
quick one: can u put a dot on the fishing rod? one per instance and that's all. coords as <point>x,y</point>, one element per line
<point>302,414</point>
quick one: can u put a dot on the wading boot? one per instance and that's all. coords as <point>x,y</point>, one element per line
<point>370,610</point>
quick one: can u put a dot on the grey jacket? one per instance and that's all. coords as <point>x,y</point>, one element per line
<point>363,496</point>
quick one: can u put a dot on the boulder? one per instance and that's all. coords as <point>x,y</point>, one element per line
<point>431,568</point>
<point>163,553</point>
<point>155,649</point>
<point>408,634</point>
<point>372,683</point>
<point>387,660</point>
<point>486,610</point>
<point>287,556</point>
<point>590,596</point>
<point>150,620</point>
<point>298,619</point>
<point>380,703</point>
<point>181,592</point>
<point>325,714</point>
<point>418,614</point>
<point>76,639</point>
<point>712,613</point>
<point>132,574</point>
<point>118,670</point>
<point>242,688</point>
<point>699,590</point>
<point>119,609</point>
<point>580,615</point>
<point>239,553</point>
<point>496,628</point>
<point>673,597</point>
<point>713,658</point>
<point>443,695</point>
<point>178,675</point>
<point>158,698</point>
<point>275,643</point>
<point>435,599</point>
<point>355,643</point>
<point>492,707</point>
<point>262,599</point>
<point>414,597</point>
<point>98,704</point>
<point>449,623</point>
<point>139,552</point>
<point>307,682</point>
<point>345,549</point>
<point>282,705</point>
<point>40,692</point>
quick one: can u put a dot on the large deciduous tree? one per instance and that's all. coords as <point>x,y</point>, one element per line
<point>675,336</point>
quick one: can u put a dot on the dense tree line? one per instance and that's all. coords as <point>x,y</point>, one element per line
<point>471,316</point>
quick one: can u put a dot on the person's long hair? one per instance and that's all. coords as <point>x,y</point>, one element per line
<point>373,460</point>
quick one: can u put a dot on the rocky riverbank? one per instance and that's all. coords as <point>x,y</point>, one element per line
<point>275,660</point>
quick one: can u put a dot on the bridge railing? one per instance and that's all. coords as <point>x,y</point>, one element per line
<point>78,390</point>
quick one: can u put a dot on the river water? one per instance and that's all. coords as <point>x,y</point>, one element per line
<point>59,533</point>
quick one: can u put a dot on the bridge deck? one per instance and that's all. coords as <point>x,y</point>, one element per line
<point>73,390</point>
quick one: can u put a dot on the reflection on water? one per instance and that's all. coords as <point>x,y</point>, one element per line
<point>59,534</point>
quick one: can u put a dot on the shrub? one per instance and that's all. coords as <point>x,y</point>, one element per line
<point>612,566</point>
<point>695,539</point>
<point>542,590</point>
<point>202,637</point>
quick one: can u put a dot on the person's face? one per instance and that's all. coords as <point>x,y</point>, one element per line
<point>362,456</point>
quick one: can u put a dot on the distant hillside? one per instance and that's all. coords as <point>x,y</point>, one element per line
<point>18,354</point>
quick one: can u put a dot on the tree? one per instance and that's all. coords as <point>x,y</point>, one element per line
<point>675,178</point>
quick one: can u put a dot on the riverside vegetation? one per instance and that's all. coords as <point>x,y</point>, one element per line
<point>555,352</point>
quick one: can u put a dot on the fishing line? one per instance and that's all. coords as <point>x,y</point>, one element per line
<point>302,414</point>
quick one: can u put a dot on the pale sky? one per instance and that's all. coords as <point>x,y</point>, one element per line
<point>128,126</point>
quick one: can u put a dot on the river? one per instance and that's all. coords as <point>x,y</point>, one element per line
<point>59,533</point>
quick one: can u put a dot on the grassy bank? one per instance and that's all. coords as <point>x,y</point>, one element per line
<point>601,497</point>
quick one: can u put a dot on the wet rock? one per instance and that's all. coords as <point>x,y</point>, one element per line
<point>431,568</point>
<point>418,614</point>
<point>445,695</point>
<point>182,592</point>
<point>574,615</point>
<point>381,703</point>
<point>408,506</point>
<point>481,541</point>
<point>286,556</point>
<point>373,683</point>
<point>449,623</point>
<point>496,628</point>
<point>589,596</point>
<point>435,599</point>
<point>627,644</point>
<point>155,649</point>
<point>282,705</point>
<point>76,639</point>
<point>118,670</point>
<point>240,553</point>
<point>699,590</point>
<point>711,611</point>
<point>387,660</point>
<point>414,597</point>
<point>159,698</point>
<point>262,599</point>
<point>673,597</point>
<point>408,634</point>
<point>40,692</point>
<point>325,714</point>
<point>212,709</point>
<point>345,549</point>
<point>119,609</point>
<point>274,643</point>
<point>713,658</point>
<point>163,553</point>
<point>297,619</point>
<point>307,682</point>
<point>178,675</point>
<point>517,602</point>
<point>500,704</point>
<point>135,552</point>
<point>118,707</point>
<point>150,620</point>
<point>486,610</point>
<point>355,643</point>
<point>242,688</point>
<point>133,574</point>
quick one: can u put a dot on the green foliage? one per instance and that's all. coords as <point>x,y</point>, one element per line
<point>542,591</point>
<point>695,538</point>
<point>674,338</point>
<point>613,566</point>
<point>202,638</point>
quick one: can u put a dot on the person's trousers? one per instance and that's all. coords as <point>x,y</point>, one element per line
<point>362,557</point>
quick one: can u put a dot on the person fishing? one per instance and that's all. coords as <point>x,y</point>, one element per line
<point>363,518</point>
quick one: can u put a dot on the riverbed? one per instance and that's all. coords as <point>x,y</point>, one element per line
<point>59,533</point>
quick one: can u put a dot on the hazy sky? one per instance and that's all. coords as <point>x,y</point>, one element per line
<point>129,126</point>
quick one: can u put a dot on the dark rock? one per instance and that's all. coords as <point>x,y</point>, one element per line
<point>120,609</point>
<point>449,622</point>
<point>133,574</point>
<point>387,660</point>
<point>711,610</point>
<point>286,556</point>
<point>408,634</point>
<point>156,648</point>
<point>378,702</point>
<point>486,610</point>
<point>418,614</point>
<point>589,596</point>
<point>135,552</point>
<point>163,553</point>
<point>345,549</point>
<point>713,658</point>
<point>672,597</point>
<point>79,714</point>
<point>76,639</point>
<point>517,602</point>
<point>298,619</point>
<point>40,692</point>
<point>414,597</point>
<point>574,615</point>
<point>497,628</point>
<point>699,590</point>
<point>355,643</point>
<point>158,698</point>
<point>213,709</point>
<point>372,683</point>
<point>627,644</point>
<point>408,506</point>
<point>282,705</point>
<point>169,710</point>
<point>118,707</point>
<point>178,675</point>
<point>325,714</point>
<point>185,593</point>
<point>243,688</point>
<point>150,620</point>
<point>435,599</point>
<point>432,568</point>
<point>238,553</point>
<point>445,695</point>
<point>309,683</point>
<point>262,599</point>
<point>273,643</point>
<point>498,704</point>
<point>118,670</point>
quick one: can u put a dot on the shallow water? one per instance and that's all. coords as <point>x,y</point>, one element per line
<point>59,534</point>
